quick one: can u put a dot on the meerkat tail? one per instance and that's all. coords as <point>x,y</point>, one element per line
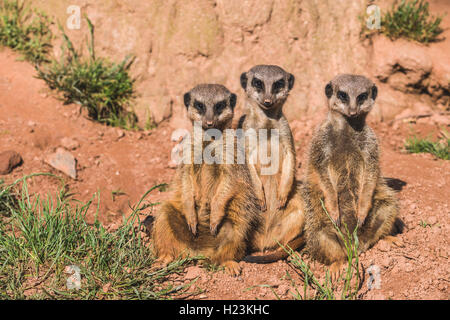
<point>280,254</point>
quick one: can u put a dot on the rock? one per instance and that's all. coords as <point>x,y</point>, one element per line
<point>192,272</point>
<point>63,161</point>
<point>120,134</point>
<point>408,267</point>
<point>69,143</point>
<point>432,220</point>
<point>383,246</point>
<point>440,119</point>
<point>9,160</point>
<point>283,289</point>
<point>403,64</point>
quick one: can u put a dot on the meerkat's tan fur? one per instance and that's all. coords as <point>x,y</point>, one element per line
<point>214,209</point>
<point>267,87</point>
<point>343,173</point>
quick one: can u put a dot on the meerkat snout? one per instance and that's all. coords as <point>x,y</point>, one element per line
<point>351,95</point>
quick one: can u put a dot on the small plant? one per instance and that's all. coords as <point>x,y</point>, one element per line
<point>439,149</point>
<point>348,282</point>
<point>425,224</point>
<point>411,20</point>
<point>104,88</point>
<point>25,30</point>
<point>40,238</point>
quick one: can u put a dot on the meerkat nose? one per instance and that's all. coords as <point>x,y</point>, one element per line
<point>209,123</point>
<point>267,102</point>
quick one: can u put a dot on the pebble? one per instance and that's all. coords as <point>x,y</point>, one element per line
<point>69,143</point>
<point>9,160</point>
<point>63,161</point>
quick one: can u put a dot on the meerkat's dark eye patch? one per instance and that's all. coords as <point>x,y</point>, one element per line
<point>328,90</point>
<point>278,86</point>
<point>187,99</point>
<point>219,106</point>
<point>244,80</point>
<point>374,92</point>
<point>343,96</point>
<point>258,84</point>
<point>361,98</point>
<point>199,106</point>
<point>233,99</point>
<point>291,81</point>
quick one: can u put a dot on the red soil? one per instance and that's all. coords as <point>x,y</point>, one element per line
<point>32,123</point>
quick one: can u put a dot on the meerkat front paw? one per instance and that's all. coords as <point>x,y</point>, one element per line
<point>262,204</point>
<point>282,199</point>
<point>192,222</point>
<point>163,261</point>
<point>394,240</point>
<point>215,218</point>
<point>336,270</point>
<point>213,225</point>
<point>232,268</point>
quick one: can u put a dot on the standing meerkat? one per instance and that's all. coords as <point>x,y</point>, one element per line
<point>267,87</point>
<point>343,171</point>
<point>214,208</point>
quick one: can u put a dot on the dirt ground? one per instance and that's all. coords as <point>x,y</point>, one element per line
<point>33,122</point>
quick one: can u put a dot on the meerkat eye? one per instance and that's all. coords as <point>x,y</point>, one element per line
<point>278,86</point>
<point>258,84</point>
<point>199,106</point>
<point>218,107</point>
<point>342,96</point>
<point>362,97</point>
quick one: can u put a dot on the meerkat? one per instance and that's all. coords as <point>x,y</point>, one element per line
<point>214,208</point>
<point>343,174</point>
<point>267,87</point>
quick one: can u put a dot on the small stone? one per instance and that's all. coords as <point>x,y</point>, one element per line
<point>383,246</point>
<point>63,161</point>
<point>192,272</point>
<point>9,160</point>
<point>432,220</point>
<point>69,143</point>
<point>202,296</point>
<point>440,119</point>
<point>120,134</point>
<point>283,289</point>
<point>106,287</point>
<point>408,267</point>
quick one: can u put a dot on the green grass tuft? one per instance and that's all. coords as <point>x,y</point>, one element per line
<point>348,283</point>
<point>24,30</point>
<point>104,88</point>
<point>411,20</point>
<point>40,237</point>
<point>439,149</point>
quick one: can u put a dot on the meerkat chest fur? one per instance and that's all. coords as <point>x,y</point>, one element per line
<point>272,127</point>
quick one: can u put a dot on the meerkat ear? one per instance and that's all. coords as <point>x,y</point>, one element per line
<point>374,92</point>
<point>328,90</point>
<point>244,80</point>
<point>233,99</point>
<point>187,99</point>
<point>291,81</point>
